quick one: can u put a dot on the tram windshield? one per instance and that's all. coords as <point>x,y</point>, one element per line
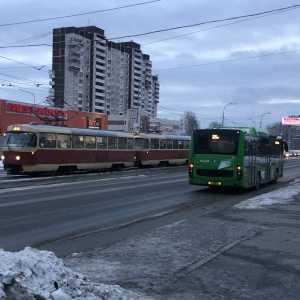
<point>21,139</point>
<point>141,143</point>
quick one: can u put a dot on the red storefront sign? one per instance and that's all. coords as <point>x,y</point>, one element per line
<point>35,110</point>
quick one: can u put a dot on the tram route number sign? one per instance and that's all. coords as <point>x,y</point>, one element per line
<point>93,123</point>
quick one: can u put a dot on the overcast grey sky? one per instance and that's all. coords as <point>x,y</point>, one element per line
<point>253,61</point>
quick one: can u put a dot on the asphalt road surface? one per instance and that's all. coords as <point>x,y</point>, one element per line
<point>150,232</point>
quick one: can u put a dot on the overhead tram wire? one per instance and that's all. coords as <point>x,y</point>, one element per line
<point>80,14</point>
<point>208,22</point>
<point>215,27</point>
<point>229,60</point>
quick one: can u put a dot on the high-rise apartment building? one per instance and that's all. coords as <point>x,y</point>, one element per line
<point>93,74</point>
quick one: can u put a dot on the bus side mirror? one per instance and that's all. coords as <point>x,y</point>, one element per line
<point>286,147</point>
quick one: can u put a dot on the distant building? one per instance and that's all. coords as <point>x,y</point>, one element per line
<point>131,122</point>
<point>93,74</point>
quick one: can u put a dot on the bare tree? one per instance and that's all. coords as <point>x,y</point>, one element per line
<point>278,129</point>
<point>214,124</point>
<point>190,122</point>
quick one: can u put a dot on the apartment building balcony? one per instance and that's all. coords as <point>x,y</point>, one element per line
<point>103,68</point>
<point>74,68</point>
<point>99,46</point>
<point>136,76</point>
<point>76,41</point>
<point>99,94</point>
<point>100,60</point>
<point>97,80</point>
<point>101,74</point>
<point>137,60</point>
<point>74,52</point>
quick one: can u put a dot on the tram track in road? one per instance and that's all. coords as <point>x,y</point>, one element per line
<point>109,233</point>
<point>79,212</point>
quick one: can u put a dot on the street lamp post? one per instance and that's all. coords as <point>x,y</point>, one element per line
<point>33,101</point>
<point>267,113</point>
<point>231,103</point>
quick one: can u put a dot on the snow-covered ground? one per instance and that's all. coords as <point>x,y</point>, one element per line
<point>34,274</point>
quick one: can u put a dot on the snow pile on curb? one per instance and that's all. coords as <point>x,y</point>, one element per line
<point>33,274</point>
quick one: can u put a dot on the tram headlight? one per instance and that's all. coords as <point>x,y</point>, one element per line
<point>2,157</point>
<point>18,157</point>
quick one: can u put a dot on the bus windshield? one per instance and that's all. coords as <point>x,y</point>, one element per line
<point>21,139</point>
<point>216,143</point>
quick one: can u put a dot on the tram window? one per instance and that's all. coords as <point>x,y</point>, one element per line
<point>101,142</point>
<point>63,141</point>
<point>141,143</point>
<point>181,144</point>
<point>90,142</point>
<point>112,143</point>
<point>169,144</point>
<point>186,144</point>
<point>163,144</point>
<point>154,144</point>
<point>47,140</point>
<point>78,141</point>
<point>130,143</point>
<point>175,144</point>
<point>21,139</point>
<point>122,143</point>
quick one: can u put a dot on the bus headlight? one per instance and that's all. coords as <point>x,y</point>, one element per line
<point>2,157</point>
<point>18,157</point>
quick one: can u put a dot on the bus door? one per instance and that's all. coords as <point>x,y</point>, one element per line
<point>252,163</point>
<point>267,163</point>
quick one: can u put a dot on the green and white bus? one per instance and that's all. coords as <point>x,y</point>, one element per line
<point>236,156</point>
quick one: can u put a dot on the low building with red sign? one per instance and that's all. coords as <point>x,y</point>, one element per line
<point>12,112</point>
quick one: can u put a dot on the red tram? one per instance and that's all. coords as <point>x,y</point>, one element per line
<point>32,148</point>
<point>161,150</point>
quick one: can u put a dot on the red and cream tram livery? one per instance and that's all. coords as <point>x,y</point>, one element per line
<point>33,148</point>
<point>161,150</point>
